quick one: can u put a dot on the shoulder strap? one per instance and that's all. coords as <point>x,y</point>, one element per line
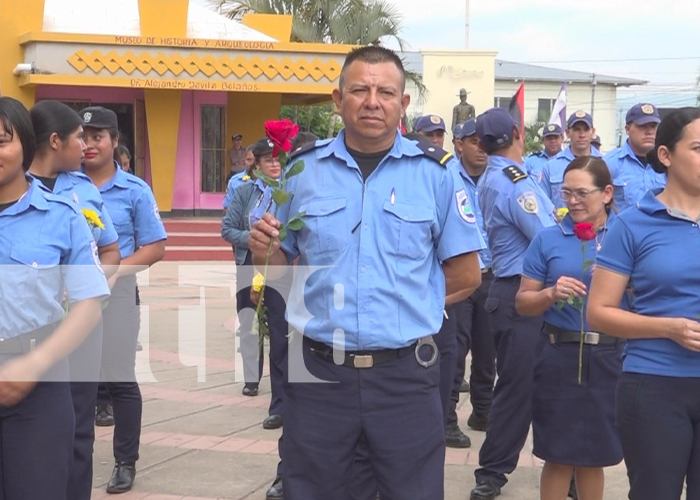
<point>435,153</point>
<point>514,173</point>
<point>305,148</point>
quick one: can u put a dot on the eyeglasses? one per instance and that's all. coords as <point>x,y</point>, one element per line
<point>578,194</point>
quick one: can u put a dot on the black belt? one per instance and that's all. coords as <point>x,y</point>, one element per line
<point>359,359</point>
<point>559,335</point>
<point>26,342</point>
<point>509,278</point>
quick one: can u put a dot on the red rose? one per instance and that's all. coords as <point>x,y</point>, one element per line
<point>584,231</point>
<point>280,133</point>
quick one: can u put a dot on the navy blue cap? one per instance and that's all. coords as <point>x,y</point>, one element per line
<point>641,114</point>
<point>494,128</point>
<point>99,117</point>
<point>579,116</point>
<point>596,140</point>
<point>429,123</point>
<point>263,147</point>
<point>466,129</point>
<point>551,129</point>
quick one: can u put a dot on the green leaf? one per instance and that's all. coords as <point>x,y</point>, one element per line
<point>570,300</point>
<point>295,169</point>
<point>587,264</point>
<point>295,224</point>
<point>560,304</point>
<point>283,233</point>
<point>280,196</point>
<point>268,181</point>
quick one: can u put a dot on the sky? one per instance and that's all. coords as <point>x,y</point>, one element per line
<point>653,40</point>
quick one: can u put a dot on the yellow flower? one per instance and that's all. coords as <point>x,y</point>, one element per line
<point>561,213</point>
<point>92,218</point>
<point>246,178</point>
<point>258,282</point>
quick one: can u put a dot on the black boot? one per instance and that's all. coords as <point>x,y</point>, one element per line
<point>122,478</point>
<point>275,492</point>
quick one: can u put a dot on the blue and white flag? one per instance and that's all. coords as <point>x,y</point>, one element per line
<point>558,115</point>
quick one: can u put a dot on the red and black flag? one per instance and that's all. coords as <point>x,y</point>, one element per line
<point>517,108</point>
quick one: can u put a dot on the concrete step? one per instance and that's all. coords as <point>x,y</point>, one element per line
<point>198,253</point>
<point>208,225</point>
<point>197,239</point>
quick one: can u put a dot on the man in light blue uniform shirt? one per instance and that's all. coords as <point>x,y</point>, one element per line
<point>470,316</point>
<point>387,223</point>
<point>631,173</point>
<point>552,139</point>
<point>239,178</point>
<point>514,211</point>
<point>433,128</point>
<point>579,128</point>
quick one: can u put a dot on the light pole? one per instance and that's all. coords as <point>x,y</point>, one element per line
<point>466,27</point>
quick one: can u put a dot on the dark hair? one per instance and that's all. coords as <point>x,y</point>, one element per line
<point>372,54</point>
<point>121,151</point>
<point>303,138</point>
<point>598,170</point>
<point>53,117</point>
<point>15,118</point>
<point>668,134</point>
<point>490,147</point>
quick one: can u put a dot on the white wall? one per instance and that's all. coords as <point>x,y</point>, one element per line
<point>579,97</point>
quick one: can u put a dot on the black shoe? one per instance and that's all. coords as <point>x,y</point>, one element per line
<point>104,416</point>
<point>122,478</point>
<point>139,347</point>
<point>250,390</point>
<point>275,492</point>
<point>455,438</point>
<point>572,488</point>
<point>477,422</point>
<point>464,387</point>
<point>485,490</point>
<point>273,422</point>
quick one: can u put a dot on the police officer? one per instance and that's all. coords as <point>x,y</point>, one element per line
<point>552,139</point>
<point>239,178</point>
<point>471,318</point>
<point>392,246</point>
<point>59,153</point>
<point>432,127</point>
<point>653,246</point>
<point>632,174</point>
<point>38,233</point>
<point>514,211</point>
<point>596,142</point>
<point>579,128</point>
<point>134,211</point>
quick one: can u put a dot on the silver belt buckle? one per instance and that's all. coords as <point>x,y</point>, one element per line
<point>591,338</point>
<point>429,342</point>
<point>552,338</point>
<point>363,361</point>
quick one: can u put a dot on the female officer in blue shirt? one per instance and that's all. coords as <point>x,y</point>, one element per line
<point>653,248</point>
<point>59,153</point>
<point>134,211</point>
<point>45,250</point>
<point>573,423</point>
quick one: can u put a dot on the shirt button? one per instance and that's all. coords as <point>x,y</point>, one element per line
<point>363,269</point>
<point>34,264</point>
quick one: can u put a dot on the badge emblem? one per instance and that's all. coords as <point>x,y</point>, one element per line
<point>87,117</point>
<point>648,109</point>
<point>435,119</point>
<point>96,256</point>
<point>551,128</point>
<point>528,202</point>
<point>156,212</point>
<point>580,113</point>
<point>464,207</point>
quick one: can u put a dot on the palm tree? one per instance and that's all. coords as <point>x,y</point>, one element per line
<point>533,132</point>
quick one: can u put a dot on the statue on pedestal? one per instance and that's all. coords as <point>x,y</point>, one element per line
<point>462,111</point>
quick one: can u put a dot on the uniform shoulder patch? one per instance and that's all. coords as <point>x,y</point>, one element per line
<point>514,173</point>
<point>309,146</point>
<point>433,152</point>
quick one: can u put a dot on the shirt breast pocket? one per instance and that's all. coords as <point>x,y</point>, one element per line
<point>408,230</point>
<point>326,225</point>
<point>620,194</point>
<point>34,271</point>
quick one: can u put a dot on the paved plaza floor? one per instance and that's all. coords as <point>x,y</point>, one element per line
<point>203,440</point>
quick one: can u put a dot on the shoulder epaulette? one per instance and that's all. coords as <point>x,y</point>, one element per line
<point>434,153</point>
<point>309,146</point>
<point>514,173</point>
<point>54,198</point>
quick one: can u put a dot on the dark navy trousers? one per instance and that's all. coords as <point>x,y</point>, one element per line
<point>394,408</point>
<point>511,411</point>
<point>446,342</point>
<point>122,320</point>
<point>36,441</point>
<point>84,364</point>
<point>473,331</point>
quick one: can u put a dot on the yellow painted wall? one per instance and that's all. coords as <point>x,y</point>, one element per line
<point>164,17</point>
<point>278,27</point>
<point>163,120</point>
<point>17,18</point>
<point>247,113</point>
<point>445,72</point>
